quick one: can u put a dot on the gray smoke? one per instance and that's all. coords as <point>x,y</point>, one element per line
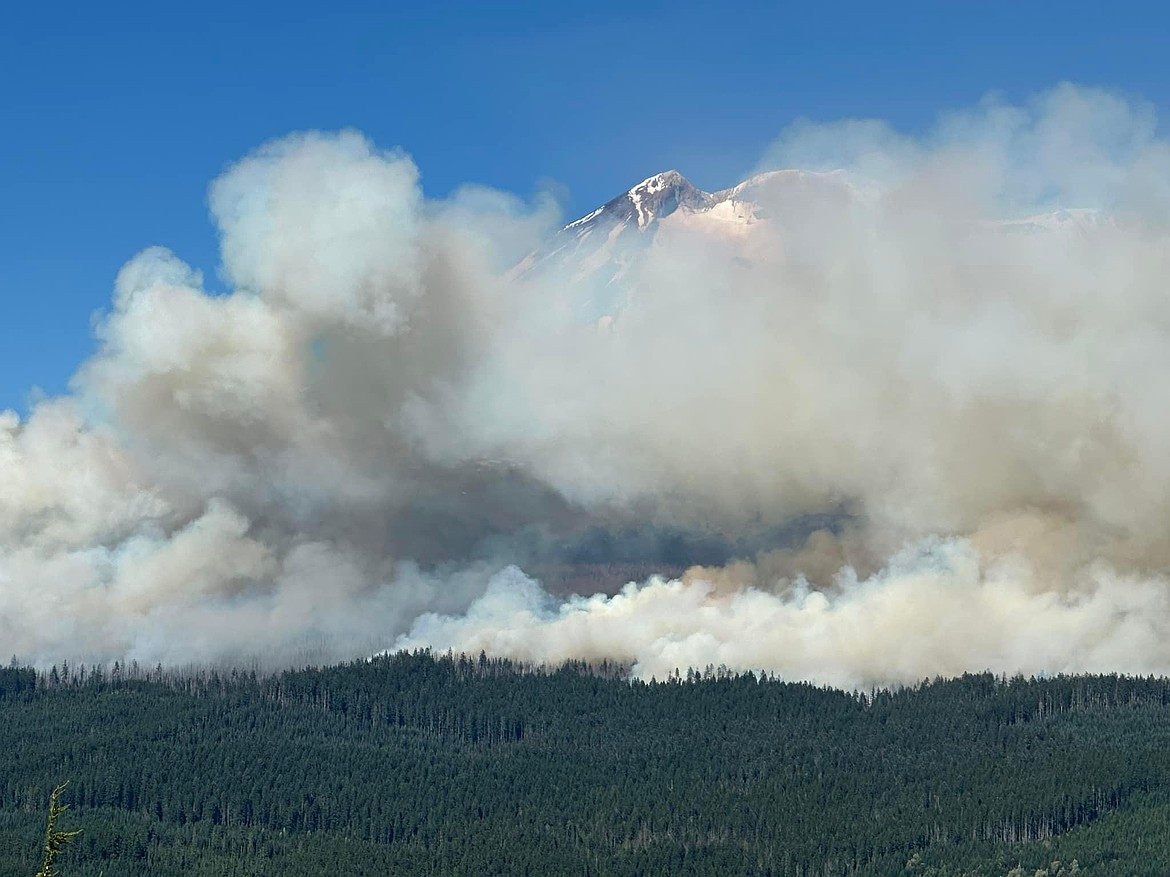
<point>910,423</point>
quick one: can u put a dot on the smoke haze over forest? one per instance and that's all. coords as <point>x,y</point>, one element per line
<point>913,423</point>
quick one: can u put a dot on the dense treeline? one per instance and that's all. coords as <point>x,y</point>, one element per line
<point>414,764</point>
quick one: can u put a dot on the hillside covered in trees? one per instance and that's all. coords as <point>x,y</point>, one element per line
<point>413,764</point>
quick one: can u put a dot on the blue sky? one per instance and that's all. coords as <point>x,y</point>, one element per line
<point>115,117</point>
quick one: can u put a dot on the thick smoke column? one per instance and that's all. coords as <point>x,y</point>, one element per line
<point>946,354</point>
<point>234,471</point>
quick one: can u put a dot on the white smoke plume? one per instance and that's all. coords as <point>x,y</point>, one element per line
<point>913,422</point>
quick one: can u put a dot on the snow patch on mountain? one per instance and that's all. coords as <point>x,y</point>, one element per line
<point>1070,219</point>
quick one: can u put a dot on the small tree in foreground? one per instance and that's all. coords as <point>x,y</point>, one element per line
<point>55,839</point>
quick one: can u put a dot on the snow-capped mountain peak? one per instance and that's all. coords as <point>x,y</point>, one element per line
<point>654,198</point>
<point>599,254</point>
<point>659,182</point>
<point>660,195</point>
<point>600,246</point>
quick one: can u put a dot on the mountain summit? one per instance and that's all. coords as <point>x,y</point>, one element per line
<point>597,249</point>
<point>597,254</point>
<point>654,198</point>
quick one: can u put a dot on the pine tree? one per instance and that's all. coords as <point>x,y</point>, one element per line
<point>55,839</point>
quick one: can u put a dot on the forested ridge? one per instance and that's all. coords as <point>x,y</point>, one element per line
<point>415,764</point>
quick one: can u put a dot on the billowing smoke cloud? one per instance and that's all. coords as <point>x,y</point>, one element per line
<point>906,418</point>
<point>938,607</point>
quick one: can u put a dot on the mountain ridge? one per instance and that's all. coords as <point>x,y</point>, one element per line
<point>596,252</point>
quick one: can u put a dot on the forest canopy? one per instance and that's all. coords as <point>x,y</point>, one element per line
<point>413,763</point>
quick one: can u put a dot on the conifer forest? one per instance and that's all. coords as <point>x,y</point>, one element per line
<point>418,764</point>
